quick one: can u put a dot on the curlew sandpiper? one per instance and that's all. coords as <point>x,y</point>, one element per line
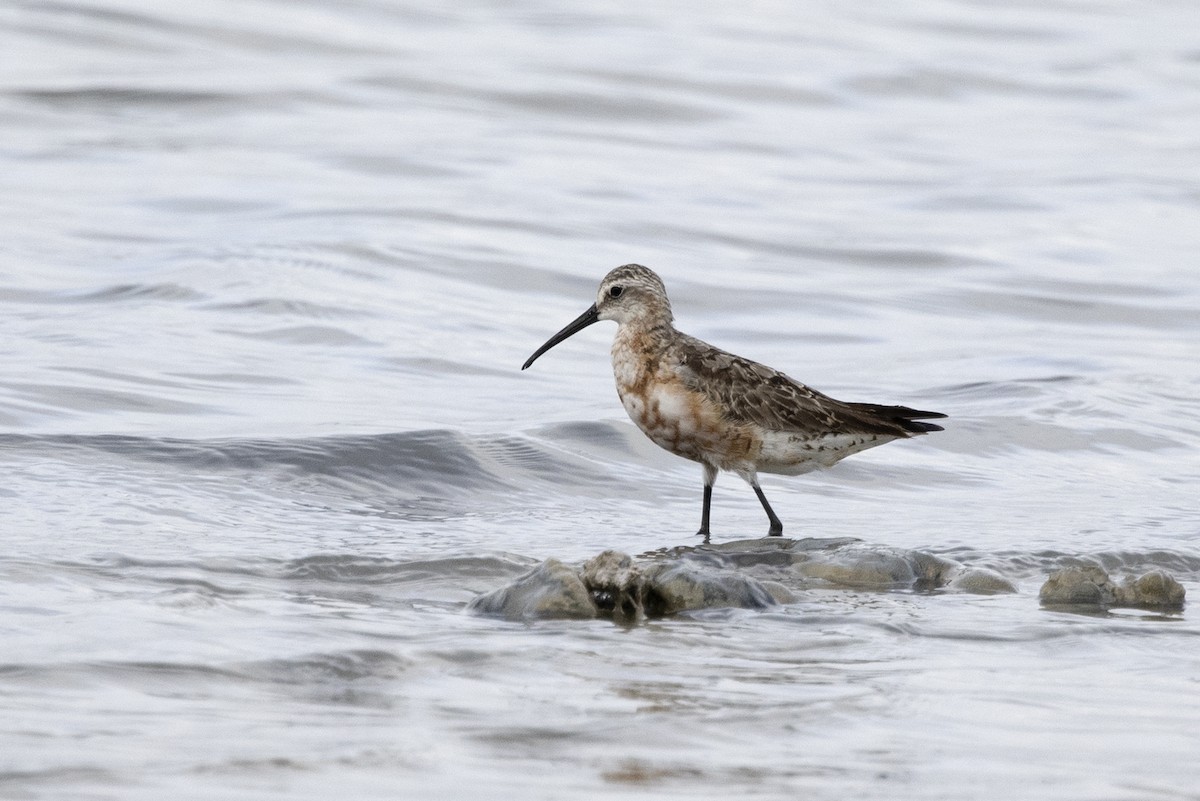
<point>718,409</point>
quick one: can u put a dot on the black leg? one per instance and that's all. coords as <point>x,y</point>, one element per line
<point>776,529</point>
<point>703,532</point>
<point>710,475</point>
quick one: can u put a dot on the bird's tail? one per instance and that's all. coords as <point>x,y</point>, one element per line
<point>906,418</point>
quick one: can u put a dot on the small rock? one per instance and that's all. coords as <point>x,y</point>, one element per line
<point>858,566</point>
<point>1092,586</point>
<point>1156,589</point>
<point>681,586</point>
<point>979,581</point>
<point>617,585</point>
<point>1078,585</point>
<point>779,592</point>
<point>844,561</point>
<point>550,590</point>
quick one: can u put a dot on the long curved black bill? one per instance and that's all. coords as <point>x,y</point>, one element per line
<point>578,324</point>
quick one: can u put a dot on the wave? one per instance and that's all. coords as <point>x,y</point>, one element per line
<point>433,462</point>
<point>352,677</point>
<point>115,293</point>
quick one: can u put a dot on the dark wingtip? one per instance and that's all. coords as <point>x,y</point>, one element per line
<point>911,419</point>
<point>907,419</point>
<point>914,414</point>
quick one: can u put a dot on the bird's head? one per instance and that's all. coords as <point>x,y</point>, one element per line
<point>631,294</point>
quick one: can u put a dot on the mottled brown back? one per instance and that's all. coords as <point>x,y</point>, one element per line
<point>750,392</point>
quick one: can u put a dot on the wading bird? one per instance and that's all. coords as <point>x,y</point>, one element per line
<point>718,409</point>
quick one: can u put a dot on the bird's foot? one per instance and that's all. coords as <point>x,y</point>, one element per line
<point>704,533</point>
<point>775,531</point>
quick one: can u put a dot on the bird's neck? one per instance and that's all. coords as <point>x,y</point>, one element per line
<point>638,350</point>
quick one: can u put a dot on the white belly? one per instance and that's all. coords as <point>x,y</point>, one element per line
<point>667,415</point>
<point>791,454</point>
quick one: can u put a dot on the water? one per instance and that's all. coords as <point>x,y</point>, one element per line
<point>269,269</point>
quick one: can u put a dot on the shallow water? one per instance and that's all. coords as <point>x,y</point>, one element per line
<point>269,270</point>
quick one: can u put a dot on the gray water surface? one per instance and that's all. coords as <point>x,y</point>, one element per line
<point>268,271</point>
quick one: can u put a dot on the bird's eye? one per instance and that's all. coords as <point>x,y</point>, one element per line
<point>616,291</point>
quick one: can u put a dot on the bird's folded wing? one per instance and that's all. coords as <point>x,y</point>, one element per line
<point>749,392</point>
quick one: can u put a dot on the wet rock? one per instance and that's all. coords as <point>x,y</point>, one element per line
<point>613,584</point>
<point>844,561</point>
<point>617,586</point>
<point>550,590</point>
<point>764,551</point>
<point>1078,585</point>
<point>1154,589</point>
<point>746,574</point>
<point>679,587</point>
<point>978,581</point>
<point>779,592</point>
<point>1090,585</point>
<point>858,565</point>
<point>631,592</point>
<point>862,566</point>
